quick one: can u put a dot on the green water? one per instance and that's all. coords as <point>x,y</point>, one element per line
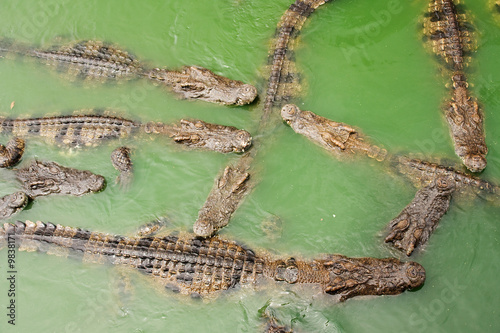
<point>364,65</point>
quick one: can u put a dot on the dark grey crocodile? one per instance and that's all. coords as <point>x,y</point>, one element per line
<point>338,138</point>
<point>450,37</point>
<point>12,203</point>
<point>200,266</point>
<point>414,225</point>
<point>88,130</point>
<point>47,178</point>
<point>95,60</point>
<point>224,199</point>
<point>11,154</point>
<point>120,158</point>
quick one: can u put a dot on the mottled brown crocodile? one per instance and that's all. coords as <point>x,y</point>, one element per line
<point>199,266</point>
<point>224,198</point>
<point>120,158</point>
<point>98,61</point>
<point>47,178</point>
<point>87,130</point>
<point>283,79</point>
<point>11,154</point>
<point>339,138</point>
<point>12,203</point>
<point>449,34</point>
<point>414,225</point>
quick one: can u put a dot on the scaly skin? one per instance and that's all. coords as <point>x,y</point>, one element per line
<point>465,120</point>
<point>11,154</point>
<point>414,225</point>
<point>76,130</point>
<point>204,267</point>
<point>224,198</point>
<point>423,173</point>
<point>12,203</point>
<point>98,61</point>
<point>282,83</point>
<point>89,130</point>
<point>120,158</point>
<point>194,82</point>
<point>91,59</point>
<point>339,138</point>
<point>46,178</point>
<point>199,134</point>
<point>447,31</point>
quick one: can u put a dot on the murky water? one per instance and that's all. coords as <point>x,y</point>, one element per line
<point>364,64</point>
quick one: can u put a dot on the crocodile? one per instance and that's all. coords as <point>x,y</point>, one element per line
<point>46,178</point>
<point>450,37</point>
<point>120,158</point>
<point>282,81</point>
<point>12,203</point>
<point>206,266</point>
<point>338,138</point>
<point>99,61</point>
<point>224,199</point>
<point>199,134</point>
<point>414,225</point>
<point>422,173</point>
<point>11,154</point>
<point>194,82</point>
<point>89,130</point>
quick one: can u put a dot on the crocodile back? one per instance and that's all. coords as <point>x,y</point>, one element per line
<point>84,130</point>
<point>189,265</point>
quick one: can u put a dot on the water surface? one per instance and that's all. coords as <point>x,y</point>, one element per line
<point>364,64</point>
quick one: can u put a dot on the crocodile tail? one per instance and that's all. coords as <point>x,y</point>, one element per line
<point>39,236</point>
<point>284,81</point>
<point>8,46</point>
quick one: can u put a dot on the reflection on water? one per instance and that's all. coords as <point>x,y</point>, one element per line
<point>361,66</point>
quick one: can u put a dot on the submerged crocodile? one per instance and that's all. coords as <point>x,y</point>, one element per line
<point>87,130</point>
<point>46,178</point>
<point>12,203</point>
<point>414,225</point>
<point>339,138</point>
<point>95,60</point>
<point>450,38</point>
<point>120,158</point>
<point>282,83</point>
<point>224,199</point>
<point>203,267</point>
<point>11,154</point>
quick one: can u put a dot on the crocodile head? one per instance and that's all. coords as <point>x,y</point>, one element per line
<point>290,113</point>
<point>45,178</point>
<point>351,277</point>
<point>12,203</point>
<point>474,162</point>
